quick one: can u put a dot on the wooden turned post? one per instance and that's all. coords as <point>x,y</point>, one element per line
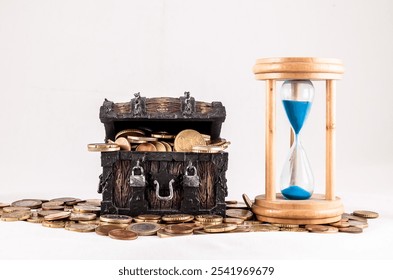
<point>330,138</point>
<point>270,162</point>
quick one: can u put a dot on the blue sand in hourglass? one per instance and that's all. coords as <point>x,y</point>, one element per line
<point>297,112</point>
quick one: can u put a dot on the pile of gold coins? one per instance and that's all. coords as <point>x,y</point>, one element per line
<point>187,140</point>
<point>84,216</point>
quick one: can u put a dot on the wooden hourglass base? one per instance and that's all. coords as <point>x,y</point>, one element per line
<point>316,210</point>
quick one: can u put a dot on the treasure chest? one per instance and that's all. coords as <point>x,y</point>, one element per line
<point>171,181</point>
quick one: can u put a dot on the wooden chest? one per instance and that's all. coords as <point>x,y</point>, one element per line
<point>135,182</point>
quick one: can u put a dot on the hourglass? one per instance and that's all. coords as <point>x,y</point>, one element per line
<point>297,203</point>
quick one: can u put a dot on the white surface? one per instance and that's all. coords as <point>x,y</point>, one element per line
<point>59,57</point>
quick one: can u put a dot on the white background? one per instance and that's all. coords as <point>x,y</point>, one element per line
<point>60,59</point>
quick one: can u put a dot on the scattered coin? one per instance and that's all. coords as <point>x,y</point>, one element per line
<point>178,229</point>
<point>57,216</point>
<point>162,135</point>
<point>177,218</point>
<point>10,209</point>
<point>102,147</point>
<point>80,227</point>
<point>239,205</point>
<point>317,228</point>
<point>91,222</point>
<point>294,229</point>
<point>144,228</point>
<point>122,234</point>
<point>330,229</point>
<point>137,220</point>
<point>206,149</point>
<point>208,218</point>
<point>340,224</point>
<point>360,224</point>
<point>30,203</point>
<point>116,219</point>
<point>351,229</point>
<point>105,229</point>
<point>353,217</point>
<point>53,205</point>
<point>247,201</point>
<point>83,216</point>
<point>2,205</point>
<point>366,214</point>
<point>15,216</point>
<point>239,213</point>
<point>65,200</point>
<point>44,213</point>
<point>286,225</point>
<point>92,202</point>
<point>220,228</point>
<point>53,224</point>
<point>35,219</point>
<point>263,228</point>
<point>149,217</point>
<point>86,209</point>
<point>242,228</point>
<point>236,221</point>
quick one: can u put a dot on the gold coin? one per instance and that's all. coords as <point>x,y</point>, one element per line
<point>122,234</point>
<point>52,205</point>
<point>239,205</point>
<point>10,209</point>
<point>263,228</point>
<point>206,149</point>
<point>146,147</point>
<point>160,147</point>
<point>162,135</point>
<point>204,224</point>
<point>123,144</point>
<point>102,147</point>
<point>317,228</point>
<point>35,220</point>
<point>208,218</point>
<point>2,205</point>
<point>30,203</point>
<point>295,229</point>
<point>242,228</point>
<point>239,213</point>
<point>286,225</point>
<point>330,229</point>
<point>353,217</point>
<point>16,216</point>
<point>351,230</point>
<point>83,216</point>
<point>141,139</point>
<point>57,216</point>
<point>137,220</point>
<point>220,228</point>
<point>206,137</point>
<point>116,219</point>
<point>44,213</point>
<point>178,229</point>
<point>253,223</point>
<point>247,201</point>
<point>108,224</point>
<point>340,224</point>
<point>231,201</point>
<point>144,228</point>
<point>188,138</point>
<point>164,234</point>
<point>366,214</point>
<point>149,217</point>
<point>167,146</point>
<point>359,224</point>
<point>105,229</point>
<point>53,224</point>
<point>91,222</point>
<point>64,199</point>
<point>200,232</point>
<point>235,221</point>
<point>86,208</point>
<point>130,132</point>
<point>179,218</point>
<point>80,227</point>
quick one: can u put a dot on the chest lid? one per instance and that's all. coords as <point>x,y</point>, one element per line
<point>163,114</point>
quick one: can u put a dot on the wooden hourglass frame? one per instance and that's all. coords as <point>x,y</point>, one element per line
<point>320,208</point>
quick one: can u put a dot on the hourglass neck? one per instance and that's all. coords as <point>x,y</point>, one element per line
<point>297,112</point>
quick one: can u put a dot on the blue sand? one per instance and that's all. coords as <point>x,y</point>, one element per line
<point>297,112</point>
<point>295,192</point>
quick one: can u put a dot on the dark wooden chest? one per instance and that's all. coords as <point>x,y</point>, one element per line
<point>135,182</point>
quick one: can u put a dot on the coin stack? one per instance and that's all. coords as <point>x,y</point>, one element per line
<point>143,140</point>
<point>79,215</point>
